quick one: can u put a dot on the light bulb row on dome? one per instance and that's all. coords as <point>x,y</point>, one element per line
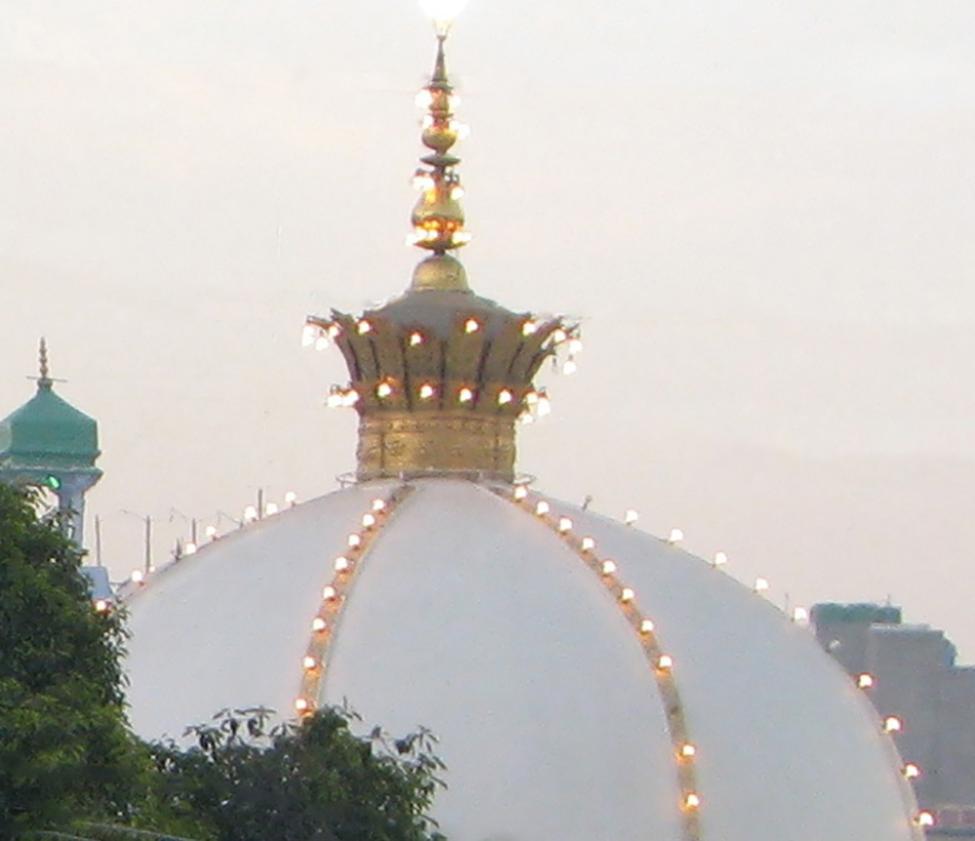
<point>893,725</point>
<point>344,567</point>
<point>661,664</point>
<point>141,578</point>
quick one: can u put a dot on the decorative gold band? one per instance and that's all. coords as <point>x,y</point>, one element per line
<point>408,444</point>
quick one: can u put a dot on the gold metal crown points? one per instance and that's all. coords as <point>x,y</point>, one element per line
<point>441,397</point>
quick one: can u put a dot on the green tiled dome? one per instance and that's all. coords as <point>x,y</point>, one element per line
<point>48,430</point>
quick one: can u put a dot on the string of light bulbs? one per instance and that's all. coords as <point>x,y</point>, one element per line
<point>661,664</point>
<point>345,568</point>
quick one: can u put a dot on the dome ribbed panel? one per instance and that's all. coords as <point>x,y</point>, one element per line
<point>475,620</point>
<point>228,626</point>
<point>788,749</point>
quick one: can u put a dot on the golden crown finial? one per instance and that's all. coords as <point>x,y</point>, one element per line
<point>440,376</point>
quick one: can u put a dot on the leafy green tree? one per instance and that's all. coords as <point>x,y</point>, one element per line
<point>64,746</point>
<point>314,781</point>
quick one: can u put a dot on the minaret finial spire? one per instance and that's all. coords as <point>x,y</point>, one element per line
<point>438,218</point>
<point>44,380</point>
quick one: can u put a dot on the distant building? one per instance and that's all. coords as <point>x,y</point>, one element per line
<point>910,673</point>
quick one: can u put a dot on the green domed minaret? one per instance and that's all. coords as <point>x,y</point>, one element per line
<point>49,443</point>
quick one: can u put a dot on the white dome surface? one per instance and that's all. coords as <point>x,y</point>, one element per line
<point>472,617</point>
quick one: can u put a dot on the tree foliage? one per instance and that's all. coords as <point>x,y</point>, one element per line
<point>315,780</point>
<point>64,745</point>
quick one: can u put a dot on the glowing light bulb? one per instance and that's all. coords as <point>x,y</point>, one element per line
<point>426,391</point>
<point>687,750</point>
<point>250,514</point>
<point>720,559</point>
<point>521,492</point>
<point>588,544</point>
<point>565,525</point>
<point>318,624</point>
<point>442,12</point>
<point>350,397</point>
<point>301,705</point>
<point>504,397</point>
<point>865,681</point>
<point>542,508</point>
<point>800,615</point>
<point>378,504</point>
<point>531,398</point>
<point>544,406</point>
<point>321,343</point>
<point>329,593</point>
<point>309,334</point>
<point>559,336</point>
<point>101,605</point>
<point>463,130</point>
<point>646,626</point>
<point>575,346</point>
<point>416,339</point>
<point>368,520</point>
<point>529,328</point>
<point>925,819</point>
<point>761,585</point>
<point>465,395</point>
<point>383,390</point>
<point>210,532</point>
<point>363,327</point>
<point>692,801</point>
<point>424,99</point>
<point>189,548</point>
<point>333,330</point>
<point>472,325</point>
<point>355,541</point>
<point>309,663</point>
<point>911,771</point>
<point>456,192</point>
<point>341,563</point>
<point>630,517</point>
<point>665,662</point>
<point>334,400</point>
<point>627,595</point>
<point>271,509</point>
<point>892,724</point>
<point>676,536</point>
<point>609,567</point>
<point>137,576</point>
<point>569,368</point>
<point>290,498</point>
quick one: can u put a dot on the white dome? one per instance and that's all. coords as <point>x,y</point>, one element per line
<point>471,615</point>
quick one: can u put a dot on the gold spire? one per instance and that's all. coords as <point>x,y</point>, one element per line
<point>438,218</point>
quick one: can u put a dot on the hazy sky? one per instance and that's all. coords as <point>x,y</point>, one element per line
<point>763,210</point>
